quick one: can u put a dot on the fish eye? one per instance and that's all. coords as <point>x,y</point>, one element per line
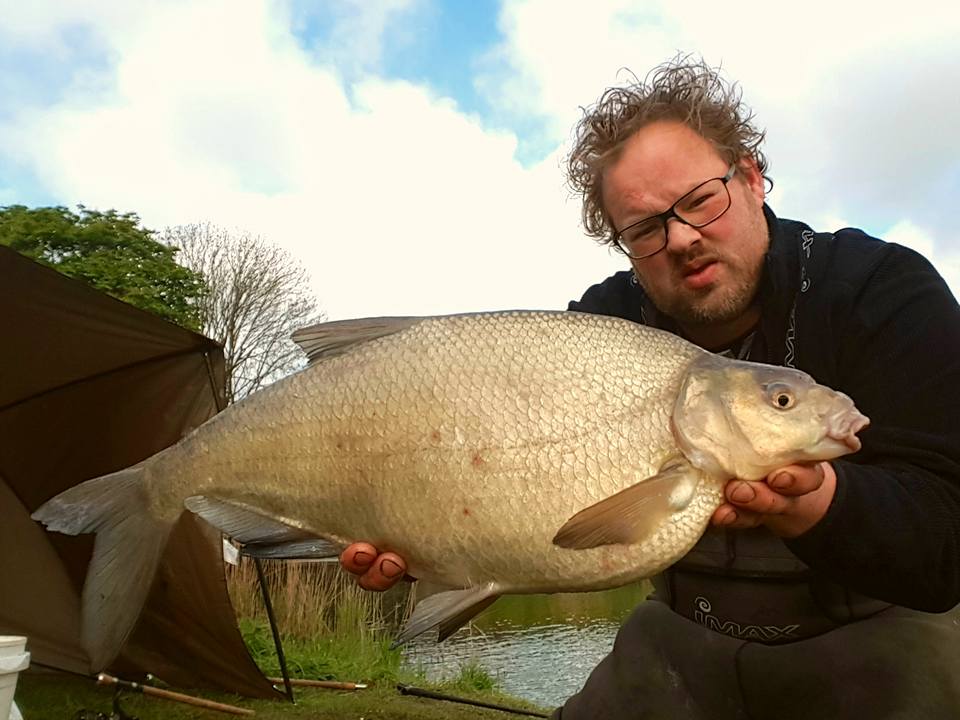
<point>781,396</point>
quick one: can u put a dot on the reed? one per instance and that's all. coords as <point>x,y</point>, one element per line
<point>311,599</point>
<point>330,627</point>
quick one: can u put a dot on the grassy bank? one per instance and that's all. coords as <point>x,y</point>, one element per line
<point>55,697</point>
<point>331,630</point>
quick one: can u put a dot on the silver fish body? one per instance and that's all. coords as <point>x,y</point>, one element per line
<point>497,453</point>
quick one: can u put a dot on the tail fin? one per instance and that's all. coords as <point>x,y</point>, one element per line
<point>126,553</point>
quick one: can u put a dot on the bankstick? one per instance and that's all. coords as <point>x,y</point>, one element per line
<point>329,684</point>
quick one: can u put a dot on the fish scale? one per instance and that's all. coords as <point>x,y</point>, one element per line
<point>497,453</point>
<point>476,464</point>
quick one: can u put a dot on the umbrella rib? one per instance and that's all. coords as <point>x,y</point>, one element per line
<point>113,371</point>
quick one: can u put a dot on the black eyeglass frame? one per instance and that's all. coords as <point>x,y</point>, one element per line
<point>672,213</point>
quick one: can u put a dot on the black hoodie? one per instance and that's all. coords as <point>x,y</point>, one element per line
<point>876,321</point>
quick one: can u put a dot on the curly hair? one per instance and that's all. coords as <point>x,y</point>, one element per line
<point>682,89</point>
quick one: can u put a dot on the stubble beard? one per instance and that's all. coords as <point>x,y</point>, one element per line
<point>722,304</point>
<point>715,304</point>
<point>709,306</point>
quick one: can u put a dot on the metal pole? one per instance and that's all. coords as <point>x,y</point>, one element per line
<point>274,630</point>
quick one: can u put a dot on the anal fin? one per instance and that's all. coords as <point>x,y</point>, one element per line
<point>449,626</point>
<point>634,514</point>
<point>449,610</point>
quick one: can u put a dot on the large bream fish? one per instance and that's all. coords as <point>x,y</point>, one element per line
<point>513,452</point>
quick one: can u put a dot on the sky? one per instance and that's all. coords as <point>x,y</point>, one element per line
<point>410,152</point>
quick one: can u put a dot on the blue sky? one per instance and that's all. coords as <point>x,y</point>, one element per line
<point>433,46</point>
<point>410,152</point>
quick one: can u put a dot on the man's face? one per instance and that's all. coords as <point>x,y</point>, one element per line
<point>706,277</point>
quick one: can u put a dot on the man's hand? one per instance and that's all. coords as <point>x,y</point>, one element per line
<point>376,571</point>
<point>789,501</point>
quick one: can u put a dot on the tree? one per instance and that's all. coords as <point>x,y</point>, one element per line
<point>110,251</point>
<point>257,295</point>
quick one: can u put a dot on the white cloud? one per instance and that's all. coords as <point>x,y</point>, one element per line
<point>47,22</point>
<point>398,202</point>
<point>909,235</point>
<point>395,200</point>
<point>947,260</point>
<point>556,57</point>
<point>859,99</point>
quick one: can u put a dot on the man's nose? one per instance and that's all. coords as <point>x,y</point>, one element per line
<point>680,236</point>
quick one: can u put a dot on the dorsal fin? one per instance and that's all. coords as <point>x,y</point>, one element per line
<point>327,340</point>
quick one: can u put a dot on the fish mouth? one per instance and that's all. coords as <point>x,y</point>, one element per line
<point>844,428</point>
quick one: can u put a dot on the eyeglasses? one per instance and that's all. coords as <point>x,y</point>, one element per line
<point>699,207</point>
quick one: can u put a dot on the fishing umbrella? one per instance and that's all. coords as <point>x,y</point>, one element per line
<point>90,385</point>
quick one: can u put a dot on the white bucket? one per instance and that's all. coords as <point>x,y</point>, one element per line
<point>13,659</point>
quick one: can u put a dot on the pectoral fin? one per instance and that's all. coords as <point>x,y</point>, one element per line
<point>632,515</point>
<point>448,610</point>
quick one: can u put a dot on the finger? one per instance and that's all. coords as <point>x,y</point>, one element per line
<point>795,480</point>
<point>756,497</point>
<point>729,516</point>
<point>358,557</point>
<point>386,572</point>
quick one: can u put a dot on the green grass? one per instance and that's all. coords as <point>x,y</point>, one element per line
<point>355,657</point>
<point>472,678</point>
<point>331,630</point>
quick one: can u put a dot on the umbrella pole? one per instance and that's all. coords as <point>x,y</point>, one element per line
<point>273,628</point>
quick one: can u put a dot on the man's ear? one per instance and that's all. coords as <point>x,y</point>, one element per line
<point>747,167</point>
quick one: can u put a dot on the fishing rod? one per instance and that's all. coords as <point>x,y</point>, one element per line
<point>118,684</point>
<point>104,679</point>
<point>420,692</point>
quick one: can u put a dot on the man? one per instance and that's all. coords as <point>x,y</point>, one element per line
<point>827,590</point>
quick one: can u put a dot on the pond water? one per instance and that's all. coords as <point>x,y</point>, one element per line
<point>539,647</point>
